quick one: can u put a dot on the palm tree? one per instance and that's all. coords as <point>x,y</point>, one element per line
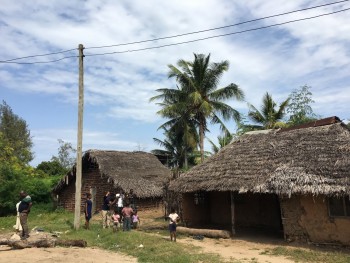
<point>268,117</point>
<point>223,140</point>
<point>175,149</point>
<point>181,125</point>
<point>203,101</point>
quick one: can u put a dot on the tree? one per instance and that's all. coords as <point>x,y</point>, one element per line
<point>52,168</point>
<point>65,154</point>
<point>16,133</point>
<point>268,117</point>
<point>299,108</point>
<point>176,151</point>
<point>199,96</point>
<point>223,140</point>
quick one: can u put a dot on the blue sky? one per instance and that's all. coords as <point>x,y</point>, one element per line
<point>117,111</point>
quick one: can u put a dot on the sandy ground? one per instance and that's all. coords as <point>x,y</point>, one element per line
<point>236,249</point>
<point>229,249</point>
<point>59,254</point>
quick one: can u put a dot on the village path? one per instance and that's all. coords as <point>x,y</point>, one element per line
<point>230,250</point>
<point>237,249</point>
<point>60,254</point>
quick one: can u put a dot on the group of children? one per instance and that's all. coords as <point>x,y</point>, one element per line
<point>127,215</point>
<point>129,219</point>
<point>113,210</point>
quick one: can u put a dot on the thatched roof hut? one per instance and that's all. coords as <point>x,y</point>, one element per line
<point>118,170</point>
<point>312,160</point>
<point>294,182</point>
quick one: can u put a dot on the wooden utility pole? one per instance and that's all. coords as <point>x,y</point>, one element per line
<point>78,172</point>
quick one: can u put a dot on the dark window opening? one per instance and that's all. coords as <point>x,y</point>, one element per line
<point>200,198</point>
<point>339,206</point>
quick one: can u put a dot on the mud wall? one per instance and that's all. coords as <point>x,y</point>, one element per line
<point>306,218</point>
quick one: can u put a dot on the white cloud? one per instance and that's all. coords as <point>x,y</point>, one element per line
<point>118,86</point>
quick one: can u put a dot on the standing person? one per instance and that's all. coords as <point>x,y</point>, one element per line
<point>132,197</point>
<point>173,217</point>
<point>120,202</point>
<point>88,210</point>
<point>106,217</point>
<point>24,209</point>
<point>127,213</point>
<point>18,226</point>
<point>116,220</point>
<point>135,220</point>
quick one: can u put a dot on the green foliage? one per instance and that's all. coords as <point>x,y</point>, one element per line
<point>198,99</point>
<point>299,108</point>
<point>223,140</point>
<point>14,178</point>
<point>268,116</point>
<point>52,168</point>
<point>11,181</point>
<point>175,150</point>
<point>15,132</point>
<point>65,155</point>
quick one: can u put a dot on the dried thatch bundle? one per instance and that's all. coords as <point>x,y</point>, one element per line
<point>313,160</point>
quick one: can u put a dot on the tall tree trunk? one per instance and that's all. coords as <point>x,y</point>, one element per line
<point>186,160</point>
<point>201,139</point>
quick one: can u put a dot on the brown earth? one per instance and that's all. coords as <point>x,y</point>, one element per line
<point>229,249</point>
<point>242,249</point>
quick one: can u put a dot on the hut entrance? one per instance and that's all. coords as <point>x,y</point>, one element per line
<point>259,214</point>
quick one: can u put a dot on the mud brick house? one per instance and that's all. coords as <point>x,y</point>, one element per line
<point>295,182</point>
<point>113,171</point>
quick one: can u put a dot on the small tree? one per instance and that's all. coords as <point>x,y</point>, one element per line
<point>16,133</point>
<point>65,154</point>
<point>299,107</point>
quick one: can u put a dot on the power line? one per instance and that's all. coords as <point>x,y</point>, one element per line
<point>215,28</point>
<point>221,35</point>
<point>11,61</point>
<point>41,55</point>
<point>37,62</point>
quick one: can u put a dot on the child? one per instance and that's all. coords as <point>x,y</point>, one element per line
<point>135,220</point>
<point>116,220</point>
<point>174,218</point>
<point>88,209</point>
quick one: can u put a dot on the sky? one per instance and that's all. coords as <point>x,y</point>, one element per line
<point>117,86</point>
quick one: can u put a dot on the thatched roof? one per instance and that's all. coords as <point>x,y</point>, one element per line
<point>311,160</point>
<point>139,171</point>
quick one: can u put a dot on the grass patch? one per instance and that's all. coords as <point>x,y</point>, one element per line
<point>155,246</point>
<point>305,255</point>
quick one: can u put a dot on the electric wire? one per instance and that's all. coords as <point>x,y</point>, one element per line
<point>38,62</point>
<point>41,55</point>
<point>12,61</point>
<point>215,28</point>
<point>216,36</point>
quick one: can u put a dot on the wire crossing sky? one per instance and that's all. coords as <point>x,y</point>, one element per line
<point>270,47</point>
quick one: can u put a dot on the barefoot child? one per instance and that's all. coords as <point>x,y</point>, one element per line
<point>135,220</point>
<point>116,220</point>
<point>174,218</point>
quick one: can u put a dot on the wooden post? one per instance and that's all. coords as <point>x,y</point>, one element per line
<point>233,230</point>
<point>78,172</point>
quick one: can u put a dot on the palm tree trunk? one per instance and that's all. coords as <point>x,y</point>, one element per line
<point>201,140</point>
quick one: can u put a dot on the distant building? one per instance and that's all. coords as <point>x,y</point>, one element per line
<point>113,171</point>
